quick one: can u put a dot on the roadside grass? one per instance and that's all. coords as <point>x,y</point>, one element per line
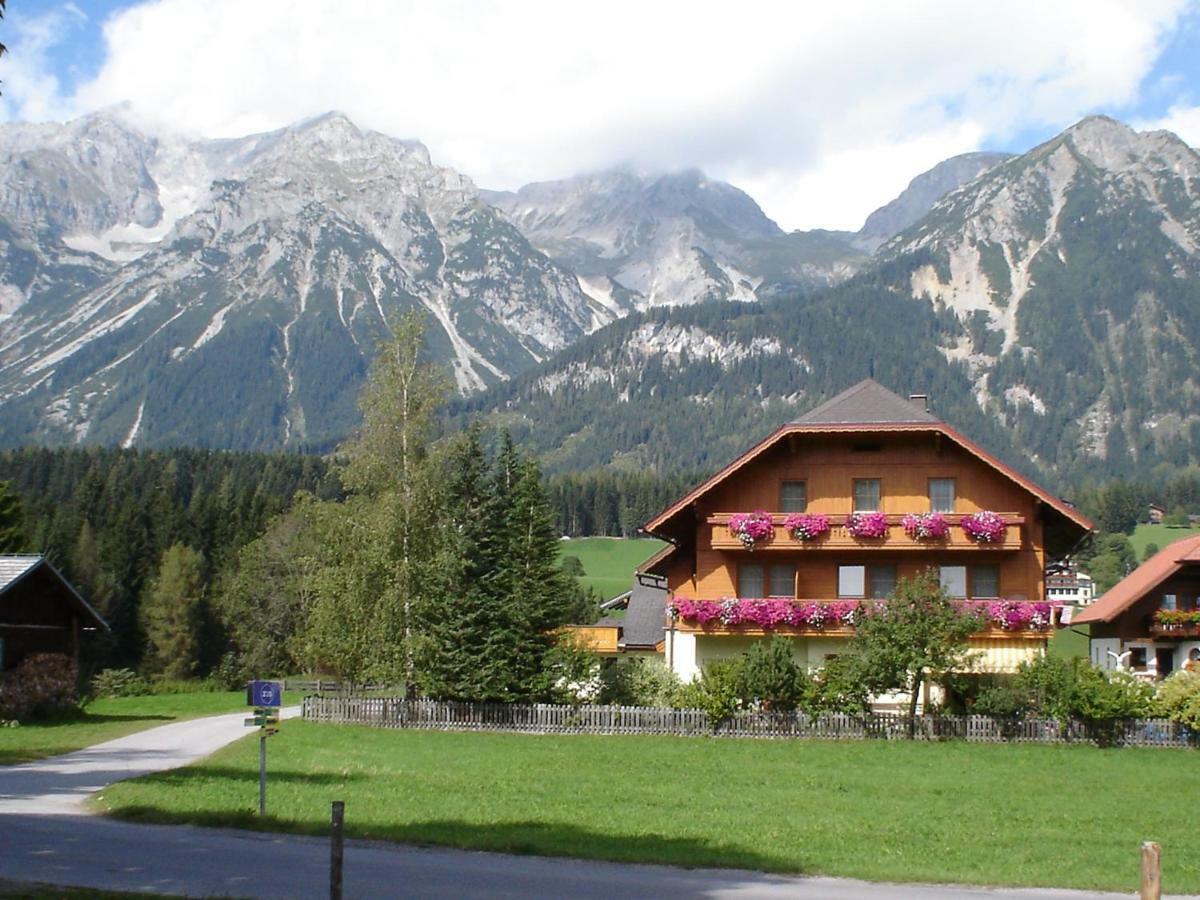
<point>609,561</point>
<point>31,891</point>
<point>108,718</point>
<point>952,812</point>
<point>1158,534</point>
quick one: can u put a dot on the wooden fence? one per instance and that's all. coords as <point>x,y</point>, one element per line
<point>389,712</point>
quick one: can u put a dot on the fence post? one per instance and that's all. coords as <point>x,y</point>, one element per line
<point>335,850</point>
<point>1151,871</point>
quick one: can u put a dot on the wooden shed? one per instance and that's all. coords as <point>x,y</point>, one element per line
<point>40,612</point>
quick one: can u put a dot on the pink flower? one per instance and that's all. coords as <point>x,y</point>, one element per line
<point>867,524</point>
<point>985,526</point>
<point>926,526</point>
<point>806,526</point>
<point>751,528</point>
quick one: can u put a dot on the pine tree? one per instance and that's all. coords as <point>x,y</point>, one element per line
<point>12,534</point>
<point>172,613</point>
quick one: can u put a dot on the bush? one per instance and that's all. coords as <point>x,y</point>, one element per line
<point>161,684</point>
<point>572,565</point>
<point>637,681</point>
<point>43,684</point>
<point>1178,699</point>
<point>119,683</point>
<point>837,688</point>
<point>716,692</point>
<point>769,676</point>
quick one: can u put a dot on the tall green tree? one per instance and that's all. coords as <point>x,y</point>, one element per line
<point>12,533</point>
<point>918,634</point>
<point>173,615</point>
<point>388,546</point>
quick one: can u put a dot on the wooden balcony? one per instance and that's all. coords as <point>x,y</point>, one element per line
<point>1181,630</point>
<point>837,538</point>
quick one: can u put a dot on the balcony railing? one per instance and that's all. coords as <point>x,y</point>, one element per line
<point>1175,629</point>
<point>838,538</point>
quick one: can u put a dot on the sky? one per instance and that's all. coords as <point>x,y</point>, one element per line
<point>821,112</point>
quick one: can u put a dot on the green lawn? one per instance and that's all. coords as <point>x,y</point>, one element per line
<point>103,720</point>
<point>981,814</point>
<point>608,563</point>
<point>1158,534</point>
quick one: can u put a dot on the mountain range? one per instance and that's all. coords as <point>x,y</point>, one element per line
<point>157,290</point>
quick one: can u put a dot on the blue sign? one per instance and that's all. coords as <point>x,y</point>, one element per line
<point>264,693</point>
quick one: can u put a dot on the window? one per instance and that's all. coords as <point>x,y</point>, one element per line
<point>1169,601</point>
<point>866,494</point>
<point>874,581</point>
<point>941,495</point>
<point>852,581</point>
<point>985,581</point>
<point>793,497</point>
<point>750,580</point>
<point>776,580</point>
<point>883,581</point>
<point>782,580</point>
<point>954,580</point>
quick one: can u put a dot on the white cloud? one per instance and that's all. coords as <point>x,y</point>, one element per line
<point>821,112</point>
<point>1184,120</point>
<point>31,90</point>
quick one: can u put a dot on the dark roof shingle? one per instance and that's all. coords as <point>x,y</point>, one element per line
<point>867,403</point>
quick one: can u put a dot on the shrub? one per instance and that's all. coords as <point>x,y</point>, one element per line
<point>1178,699</point>
<point>637,681</point>
<point>837,688</point>
<point>716,693</point>
<point>768,676</point>
<point>572,565</point>
<point>119,683</point>
<point>43,684</point>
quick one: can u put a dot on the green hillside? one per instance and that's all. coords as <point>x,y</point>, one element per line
<point>608,562</point>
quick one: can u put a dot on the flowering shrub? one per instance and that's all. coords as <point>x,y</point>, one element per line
<point>751,528</point>
<point>867,524</point>
<point>985,526</point>
<point>1019,615</point>
<point>766,614</point>
<point>42,684</point>
<point>926,526</point>
<point>806,526</point>
<point>1177,618</point>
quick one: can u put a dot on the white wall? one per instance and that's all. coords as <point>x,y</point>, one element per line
<point>1099,652</point>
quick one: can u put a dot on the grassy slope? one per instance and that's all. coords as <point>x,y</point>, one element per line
<point>1158,534</point>
<point>103,720</point>
<point>982,814</point>
<point>609,562</point>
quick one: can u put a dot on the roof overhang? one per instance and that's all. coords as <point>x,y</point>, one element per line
<point>74,597</point>
<point>1134,587</point>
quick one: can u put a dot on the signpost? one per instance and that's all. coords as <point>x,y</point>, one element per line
<point>266,697</point>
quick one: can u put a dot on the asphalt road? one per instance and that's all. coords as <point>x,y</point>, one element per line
<point>46,835</point>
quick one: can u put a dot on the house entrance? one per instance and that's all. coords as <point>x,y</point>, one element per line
<point>1165,657</point>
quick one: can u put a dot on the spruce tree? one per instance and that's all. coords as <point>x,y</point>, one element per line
<point>12,534</point>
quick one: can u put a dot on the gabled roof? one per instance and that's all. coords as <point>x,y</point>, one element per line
<point>1141,581</point>
<point>867,403</point>
<point>866,408</point>
<point>16,569</point>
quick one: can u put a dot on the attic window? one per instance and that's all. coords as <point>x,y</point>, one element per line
<point>867,447</point>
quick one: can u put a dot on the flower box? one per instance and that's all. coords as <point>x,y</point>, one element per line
<point>926,526</point>
<point>806,526</point>
<point>984,527</point>
<point>870,525</point>
<point>752,528</point>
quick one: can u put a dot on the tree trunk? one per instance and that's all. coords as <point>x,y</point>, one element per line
<point>912,706</point>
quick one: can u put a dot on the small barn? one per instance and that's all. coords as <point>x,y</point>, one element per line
<point>40,612</point>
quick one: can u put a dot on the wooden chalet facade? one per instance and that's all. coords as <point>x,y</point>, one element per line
<point>1149,622</point>
<point>871,452</point>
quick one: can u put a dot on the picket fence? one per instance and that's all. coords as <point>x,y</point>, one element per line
<point>542,718</point>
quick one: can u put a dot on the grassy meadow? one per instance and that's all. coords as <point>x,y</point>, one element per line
<point>951,812</point>
<point>608,562</point>
<point>1162,535</point>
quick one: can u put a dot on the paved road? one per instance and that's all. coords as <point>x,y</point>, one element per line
<point>46,835</point>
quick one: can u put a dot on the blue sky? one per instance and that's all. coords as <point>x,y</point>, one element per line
<point>820,113</point>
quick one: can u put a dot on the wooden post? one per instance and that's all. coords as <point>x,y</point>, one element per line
<point>1151,871</point>
<point>335,850</point>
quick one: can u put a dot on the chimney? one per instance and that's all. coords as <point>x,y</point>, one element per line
<point>920,401</point>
